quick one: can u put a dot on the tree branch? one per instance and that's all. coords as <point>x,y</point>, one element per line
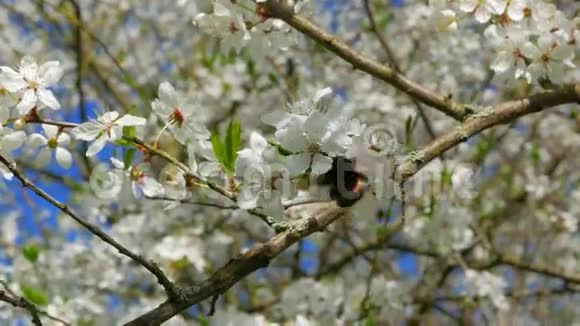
<point>243,265</point>
<point>442,103</point>
<point>539,269</point>
<point>393,61</point>
<point>80,71</point>
<point>20,302</point>
<point>17,301</point>
<point>168,285</point>
<point>485,119</point>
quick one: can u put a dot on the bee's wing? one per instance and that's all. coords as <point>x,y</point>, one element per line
<point>367,162</point>
<point>376,166</point>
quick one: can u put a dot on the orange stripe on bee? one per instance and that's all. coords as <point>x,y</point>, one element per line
<point>360,186</point>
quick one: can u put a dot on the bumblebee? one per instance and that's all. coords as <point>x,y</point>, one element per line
<point>347,186</point>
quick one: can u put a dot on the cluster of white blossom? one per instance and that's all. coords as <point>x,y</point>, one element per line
<point>532,39</point>
<point>245,25</point>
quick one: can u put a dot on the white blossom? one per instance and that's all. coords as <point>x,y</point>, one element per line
<point>548,58</point>
<point>33,81</point>
<point>141,181</point>
<point>175,248</point>
<point>107,127</point>
<point>310,135</point>
<point>509,59</point>
<point>263,178</point>
<point>53,141</point>
<point>483,9</point>
<point>178,114</point>
<point>488,285</point>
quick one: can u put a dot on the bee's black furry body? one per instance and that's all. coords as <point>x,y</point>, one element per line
<point>347,185</point>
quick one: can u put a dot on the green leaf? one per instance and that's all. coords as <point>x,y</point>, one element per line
<point>273,78</point>
<point>203,320</point>
<point>123,143</point>
<point>251,69</point>
<point>128,159</point>
<point>280,149</point>
<point>446,176</point>
<point>382,231</point>
<point>35,295</point>
<point>385,20</point>
<point>132,109</point>
<point>226,150</point>
<point>233,142</point>
<point>122,56</point>
<point>181,264</point>
<point>370,321</point>
<point>31,252</point>
<point>536,154</point>
<point>219,148</point>
<point>129,131</point>
<point>130,80</point>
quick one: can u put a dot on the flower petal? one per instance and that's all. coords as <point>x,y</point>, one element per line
<point>257,142</point>
<point>131,120</point>
<point>50,130</point>
<point>277,118</point>
<point>36,140</point>
<point>109,117</point>
<point>96,146</point>
<point>44,157</point>
<point>50,72</point>
<point>502,62</point>
<point>321,164</point>
<point>562,52</point>
<point>210,169</point>
<point>6,173</point>
<point>292,138</point>
<point>297,164</point>
<point>316,127</point>
<point>63,157</point>
<point>27,102</point>
<point>118,164</point>
<point>151,188</point>
<point>87,131</point>
<point>11,80</point>
<point>248,197</point>
<point>63,139</point>
<point>13,141</point>
<point>482,14</point>
<point>247,158</point>
<point>47,98</point>
<point>168,95</point>
<point>321,94</point>
<point>497,6</point>
<point>162,110</point>
<point>29,68</point>
<point>530,51</point>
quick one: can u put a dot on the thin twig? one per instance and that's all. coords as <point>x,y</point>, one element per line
<point>168,285</point>
<point>445,104</point>
<point>395,64</point>
<point>484,119</point>
<point>240,267</point>
<point>193,202</point>
<point>10,297</point>
<point>213,302</point>
<point>80,62</point>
